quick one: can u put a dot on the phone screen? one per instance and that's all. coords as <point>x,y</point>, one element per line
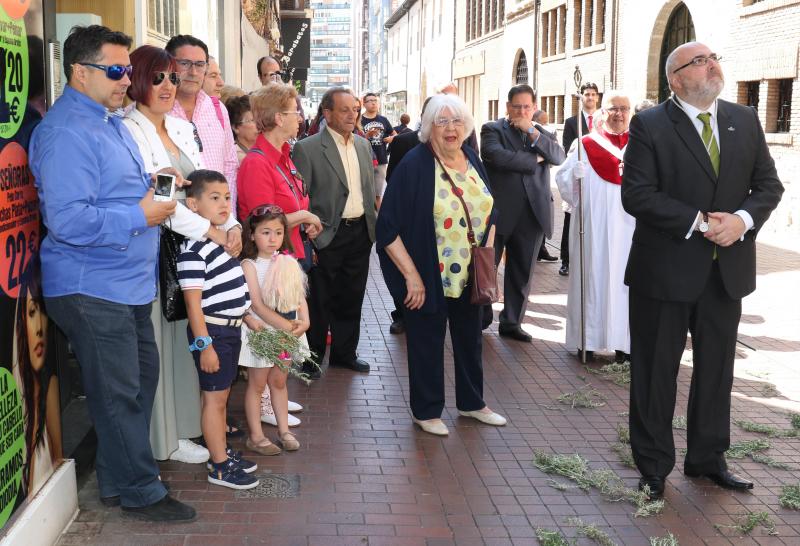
<point>164,185</point>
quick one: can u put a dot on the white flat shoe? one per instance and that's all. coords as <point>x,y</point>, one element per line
<point>294,407</point>
<point>270,420</point>
<point>432,426</point>
<point>494,419</point>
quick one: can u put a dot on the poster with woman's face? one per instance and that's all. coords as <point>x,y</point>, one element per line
<point>30,417</point>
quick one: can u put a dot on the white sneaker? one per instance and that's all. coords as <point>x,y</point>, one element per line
<point>269,418</point>
<point>294,407</point>
<point>189,452</point>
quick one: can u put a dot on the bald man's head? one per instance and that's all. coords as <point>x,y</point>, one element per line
<point>269,70</point>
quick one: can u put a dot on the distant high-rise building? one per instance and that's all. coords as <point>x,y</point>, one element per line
<point>331,47</point>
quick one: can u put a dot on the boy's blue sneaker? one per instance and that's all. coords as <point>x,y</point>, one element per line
<point>236,456</point>
<point>229,474</point>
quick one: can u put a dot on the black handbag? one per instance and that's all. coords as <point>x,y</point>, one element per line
<point>172,305</point>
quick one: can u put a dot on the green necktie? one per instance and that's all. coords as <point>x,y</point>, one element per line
<point>710,141</point>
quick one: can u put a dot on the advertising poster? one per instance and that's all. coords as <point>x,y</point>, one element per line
<point>30,420</point>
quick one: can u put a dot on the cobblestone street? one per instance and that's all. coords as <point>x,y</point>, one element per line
<point>366,476</point>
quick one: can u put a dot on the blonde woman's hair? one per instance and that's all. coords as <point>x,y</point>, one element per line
<point>267,101</point>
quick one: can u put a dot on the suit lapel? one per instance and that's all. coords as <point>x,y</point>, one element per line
<point>687,132</point>
<point>727,139</point>
<point>514,137</point>
<point>331,153</point>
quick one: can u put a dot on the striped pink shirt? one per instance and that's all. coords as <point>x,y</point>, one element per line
<point>219,148</point>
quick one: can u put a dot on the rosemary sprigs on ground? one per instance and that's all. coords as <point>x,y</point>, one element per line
<point>619,374</point>
<point>550,538</point>
<point>790,496</point>
<point>585,397</point>
<point>668,540</point>
<point>592,532</point>
<point>746,523</point>
<point>576,468</point>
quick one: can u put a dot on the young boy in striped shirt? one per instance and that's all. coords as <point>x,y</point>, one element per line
<point>216,297</point>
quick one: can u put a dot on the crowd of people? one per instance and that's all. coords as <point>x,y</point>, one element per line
<point>272,224</point>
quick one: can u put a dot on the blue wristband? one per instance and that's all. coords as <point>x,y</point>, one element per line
<point>200,343</point>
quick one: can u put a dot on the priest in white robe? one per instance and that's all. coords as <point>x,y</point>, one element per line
<point>608,231</point>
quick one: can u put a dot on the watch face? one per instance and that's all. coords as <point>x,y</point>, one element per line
<point>703,227</point>
<point>200,343</point>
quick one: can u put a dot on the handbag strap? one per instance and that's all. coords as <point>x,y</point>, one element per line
<point>457,192</point>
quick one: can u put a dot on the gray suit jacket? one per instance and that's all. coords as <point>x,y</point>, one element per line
<point>516,176</point>
<point>318,160</point>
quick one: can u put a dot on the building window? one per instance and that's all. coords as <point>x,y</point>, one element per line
<point>554,36</point>
<point>162,17</point>
<point>483,16</point>
<point>494,109</point>
<point>784,106</point>
<point>748,94</point>
<point>588,26</point>
<point>521,71</point>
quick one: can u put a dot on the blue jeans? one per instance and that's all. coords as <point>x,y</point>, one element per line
<point>116,350</point>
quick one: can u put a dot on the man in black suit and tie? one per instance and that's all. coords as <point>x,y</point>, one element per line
<point>700,182</point>
<point>590,97</point>
<point>518,155</point>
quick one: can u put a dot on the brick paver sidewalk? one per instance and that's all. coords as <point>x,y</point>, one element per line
<point>366,476</point>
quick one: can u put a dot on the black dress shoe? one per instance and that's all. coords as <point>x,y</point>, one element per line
<point>589,355</point>
<point>545,256</point>
<point>397,327</point>
<point>656,485</point>
<point>726,479</point>
<point>619,357</point>
<point>356,365</point>
<point>311,370</point>
<point>167,509</point>
<point>563,270</point>
<point>515,332</point>
<point>112,502</point>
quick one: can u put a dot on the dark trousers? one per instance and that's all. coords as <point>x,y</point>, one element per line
<point>565,239</point>
<point>658,338</point>
<point>336,292</point>
<point>116,350</point>
<point>425,334</point>
<point>521,247</point>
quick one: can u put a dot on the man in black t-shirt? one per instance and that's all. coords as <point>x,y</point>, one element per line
<point>379,132</point>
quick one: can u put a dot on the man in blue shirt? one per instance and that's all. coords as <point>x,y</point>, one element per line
<point>99,263</point>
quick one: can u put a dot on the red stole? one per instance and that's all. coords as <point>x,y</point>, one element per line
<point>607,165</point>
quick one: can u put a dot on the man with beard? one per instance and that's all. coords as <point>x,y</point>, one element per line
<point>608,231</point>
<point>700,182</point>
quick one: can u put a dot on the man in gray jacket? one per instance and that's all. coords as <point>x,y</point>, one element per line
<point>518,155</point>
<point>337,168</point>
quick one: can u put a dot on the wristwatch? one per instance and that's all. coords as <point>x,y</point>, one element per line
<point>200,343</point>
<point>703,226</point>
<point>531,129</point>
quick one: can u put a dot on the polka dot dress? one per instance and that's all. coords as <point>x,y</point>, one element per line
<point>450,223</point>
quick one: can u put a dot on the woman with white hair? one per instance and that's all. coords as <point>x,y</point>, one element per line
<point>424,252</point>
<point>608,232</point>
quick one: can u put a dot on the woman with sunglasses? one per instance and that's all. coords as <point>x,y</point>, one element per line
<point>167,141</point>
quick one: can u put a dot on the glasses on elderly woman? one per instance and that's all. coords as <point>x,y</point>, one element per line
<point>444,122</point>
<point>159,77</point>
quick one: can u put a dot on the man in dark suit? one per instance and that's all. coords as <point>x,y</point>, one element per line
<point>518,155</point>
<point>337,167</point>
<point>700,182</point>
<point>590,97</point>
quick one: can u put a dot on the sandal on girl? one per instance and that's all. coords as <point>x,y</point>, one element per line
<point>263,449</point>
<point>288,442</point>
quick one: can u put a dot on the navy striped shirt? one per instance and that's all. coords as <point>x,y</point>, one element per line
<point>204,265</point>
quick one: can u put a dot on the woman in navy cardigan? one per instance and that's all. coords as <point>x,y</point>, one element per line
<point>424,253</point>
